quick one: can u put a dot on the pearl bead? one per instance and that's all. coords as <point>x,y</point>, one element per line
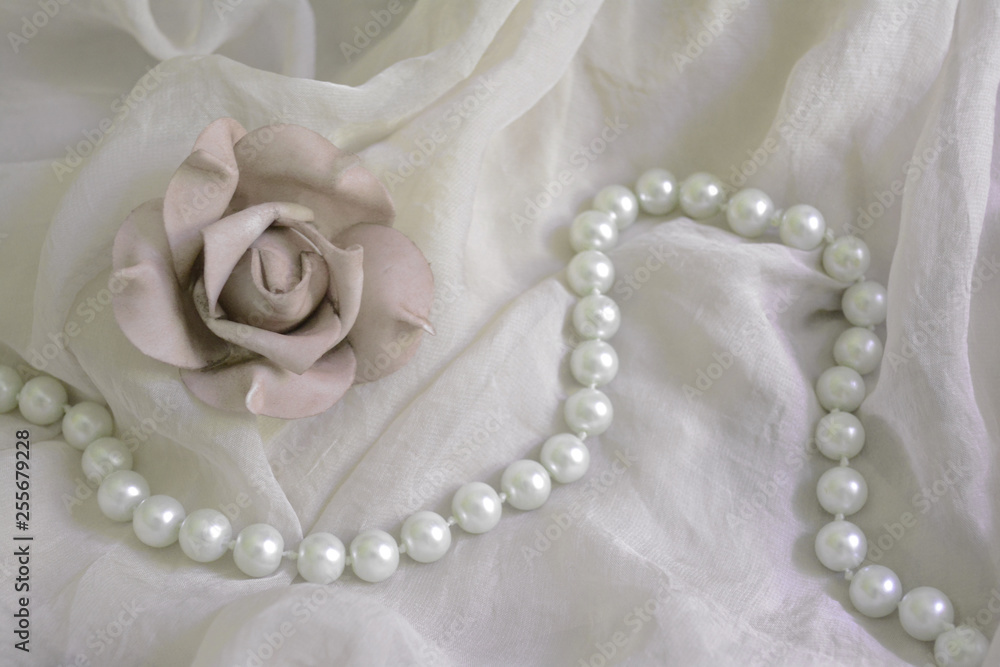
<point>105,456</point>
<point>594,362</point>
<point>802,227</point>
<point>86,422</point>
<point>618,202</point>
<point>10,384</point>
<point>657,191</point>
<point>858,348</point>
<point>322,557</point>
<point>963,646</point>
<point>842,490</point>
<point>565,457</point>
<point>840,545</point>
<point>43,400</point>
<point>593,230</point>
<point>157,520</point>
<point>527,484</point>
<point>865,304</point>
<point>875,591</point>
<point>120,493</point>
<point>374,555</point>
<point>840,434</point>
<point>588,411</point>
<point>590,270</point>
<point>426,535</point>
<point>701,195</point>
<point>596,316</point>
<point>749,212</point>
<point>476,507</point>
<point>846,259</point>
<point>258,550</point>
<point>924,613</point>
<point>840,388</point>
<point>205,535</point>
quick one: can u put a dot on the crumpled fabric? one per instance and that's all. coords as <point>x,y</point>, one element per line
<point>492,124</point>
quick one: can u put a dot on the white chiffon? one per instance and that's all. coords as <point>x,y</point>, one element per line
<point>690,541</point>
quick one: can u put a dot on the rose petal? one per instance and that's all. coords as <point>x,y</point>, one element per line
<point>227,240</point>
<point>246,298</point>
<point>199,192</point>
<point>395,301</point>
<point>295,351</point>
<point>295,164</point>
<point>151,309</point>
<point>264,388</point>
<point>345,265</point>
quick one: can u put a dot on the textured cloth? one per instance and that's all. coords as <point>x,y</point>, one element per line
<point>690,542</point>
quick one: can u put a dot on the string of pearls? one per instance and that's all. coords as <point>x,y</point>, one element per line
<point>924,612</point>
<point>205,535</point>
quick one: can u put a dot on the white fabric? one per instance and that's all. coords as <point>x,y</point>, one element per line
<point>886,107</point>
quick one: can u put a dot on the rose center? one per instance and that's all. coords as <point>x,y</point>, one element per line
<point>278,283</point>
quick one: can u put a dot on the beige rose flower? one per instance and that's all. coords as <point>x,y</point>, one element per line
<point>269,273</point>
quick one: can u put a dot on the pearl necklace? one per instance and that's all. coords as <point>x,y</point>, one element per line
<point>205,535</point>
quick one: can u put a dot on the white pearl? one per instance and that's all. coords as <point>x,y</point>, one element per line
<point>590,270</point>
<point>374,555</point>
<point>426,535</point>
<point>840,434</point>
<point>205,535</point>
<point>963,646</point>
<point>258,550</point>
<point>924,613</point>
<point>85,422</point>
<point>157,520</point>
<point>701,195</point>
<point>840,545</point>
<point>593,230</point>
<point>858,348</point>
<point>749,212</point>
<point>594,362</point>
<point>802,227</point>
<point>865,304</point>
<point>10,384</point>
<point>105,456</point>
<point>476,507</point>
<point>43,400</point>
<point>840,388</point>
<point>875,591</point>
<point>322,557</point>
<point>527,484</point>
<point>120,493</point>
<point>657,191</point>
<point>618,202</point>
<point>842,490</point>
<point>596,316</point>
<point>565,457</point>
<point>588,411</point>
<point>846,259</point>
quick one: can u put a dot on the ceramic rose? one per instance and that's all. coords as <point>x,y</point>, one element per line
<point>270,275</point>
